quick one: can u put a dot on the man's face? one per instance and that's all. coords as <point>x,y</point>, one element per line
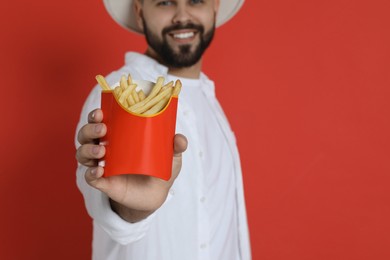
<point>179,31</point>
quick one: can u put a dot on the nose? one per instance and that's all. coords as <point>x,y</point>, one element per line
<point>182,15</point>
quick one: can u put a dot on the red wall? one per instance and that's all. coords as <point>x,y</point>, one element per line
<point>305,84</point>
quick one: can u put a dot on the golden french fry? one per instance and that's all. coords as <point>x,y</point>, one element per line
<point>157,107</point>
<point>123,83</point>
<point>102,82</point>
<point>153,93</point>
<point>159,84</point>
<point>117,92</point>
<point>153,101</point>
<point>177,88</point>
<point>126,93</point>
<point>132,87</point>
<point>130,100</point>
<point>141,95</point>
<point>168,85</point>
<point>135,96</point>
<point>129,80</point>
<point>123,97</point>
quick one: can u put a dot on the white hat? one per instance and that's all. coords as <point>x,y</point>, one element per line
<point>122,12</point>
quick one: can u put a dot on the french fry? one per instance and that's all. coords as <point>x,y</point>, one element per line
<point>153,101</point>
<point>117,92</point>
<point>135,96</point>
<point>168,85</point>
<point>141,95</point>
<point>176,88</point>
<point>123,83</point>
<point>157,107</point>
<point>102,82</point>
<point>130,101</point>
<point>129,79</point>
<point>126,93</point>
<point>153,93</point>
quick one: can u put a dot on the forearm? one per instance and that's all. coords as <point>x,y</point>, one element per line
<point>129,215</point>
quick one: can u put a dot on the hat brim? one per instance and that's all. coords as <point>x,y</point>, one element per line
<point>122,12</point>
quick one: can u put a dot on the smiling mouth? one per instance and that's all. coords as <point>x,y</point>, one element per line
<point>183,35</point>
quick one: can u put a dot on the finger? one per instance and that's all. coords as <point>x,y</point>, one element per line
<point>95,116</point>
<point>93,176</point>
<point>180,144</point>
<point>90,132</point>
<point>88,154</point>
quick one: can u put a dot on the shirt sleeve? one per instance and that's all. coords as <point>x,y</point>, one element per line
<point>96,202</point>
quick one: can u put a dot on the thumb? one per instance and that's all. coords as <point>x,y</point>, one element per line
<point>180,144</point>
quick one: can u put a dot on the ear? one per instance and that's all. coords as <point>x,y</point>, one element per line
<point>137,5</point>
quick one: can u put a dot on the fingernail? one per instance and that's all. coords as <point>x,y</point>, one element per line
<point>96,149</point>
<point>98,128</point>
<point>102,163</point>
<point>97,172</point>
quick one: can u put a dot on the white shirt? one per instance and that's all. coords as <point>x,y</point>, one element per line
<point>204,215</point>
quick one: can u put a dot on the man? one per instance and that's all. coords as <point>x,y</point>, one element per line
<point>199,213</point>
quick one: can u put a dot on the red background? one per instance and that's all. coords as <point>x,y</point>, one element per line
<point>304,83</point>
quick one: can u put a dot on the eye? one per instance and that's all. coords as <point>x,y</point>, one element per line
<point>195,2</point>
<point>165,3</point>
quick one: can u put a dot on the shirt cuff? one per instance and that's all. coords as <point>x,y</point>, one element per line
<point>99,208</point>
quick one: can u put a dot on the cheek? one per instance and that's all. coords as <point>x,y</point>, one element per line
<point>158,19</point>
<point>154,24</point>
<point>208,21</point>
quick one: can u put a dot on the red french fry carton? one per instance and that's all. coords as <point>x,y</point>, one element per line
<point>137,144</point>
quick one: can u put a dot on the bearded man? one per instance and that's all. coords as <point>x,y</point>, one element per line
<point>199,213</point>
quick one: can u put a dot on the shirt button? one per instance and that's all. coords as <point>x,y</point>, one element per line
<point>202,199</point>
<point>200,154</point>
<point>172,192</point>
<point>185,113</point>
<point>203,246</point>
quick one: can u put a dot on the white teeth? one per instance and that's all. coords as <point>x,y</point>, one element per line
<point>184,35</point>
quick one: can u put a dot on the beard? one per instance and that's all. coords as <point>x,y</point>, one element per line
<point>185,56</point>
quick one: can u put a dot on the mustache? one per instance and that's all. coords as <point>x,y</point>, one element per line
<point>179,26</point>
